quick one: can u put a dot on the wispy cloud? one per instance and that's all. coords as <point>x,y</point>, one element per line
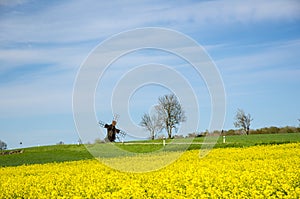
<point>46,95</point>
<point>79,21</point>
<point>260,73</point>
<point>12,2</point>
<point>282,55</point>
<point>61,57</point>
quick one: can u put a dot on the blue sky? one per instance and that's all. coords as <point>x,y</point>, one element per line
<point>254,44</point>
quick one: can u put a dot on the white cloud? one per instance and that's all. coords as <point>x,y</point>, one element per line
<point>81,21</point>
<point>261,56</point>
<point>255,11</point>
<point>61,57</point>
<point>12,2</point>
<point>267,65</point>
<point>41,96</point>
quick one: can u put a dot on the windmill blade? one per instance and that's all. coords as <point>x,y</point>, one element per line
<point>122,133</point>
<point>116,117</point>
<point>101,123</point>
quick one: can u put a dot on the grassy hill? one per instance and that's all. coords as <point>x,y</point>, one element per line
<point>61,153</point>
<point>46,154</point>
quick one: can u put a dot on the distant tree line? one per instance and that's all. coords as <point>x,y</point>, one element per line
<point>265,130</point>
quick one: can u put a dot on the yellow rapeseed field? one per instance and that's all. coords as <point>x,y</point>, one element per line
<point>255,172</point>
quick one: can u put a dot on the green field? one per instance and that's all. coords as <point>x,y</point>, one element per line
<point>256,139</point>
<point>46,154</point>
<point>61,153</point>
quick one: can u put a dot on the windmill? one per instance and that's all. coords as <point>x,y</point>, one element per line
<point>112,131</point>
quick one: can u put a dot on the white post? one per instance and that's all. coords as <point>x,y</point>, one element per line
<point>164,141</point>
<point>224,139</point>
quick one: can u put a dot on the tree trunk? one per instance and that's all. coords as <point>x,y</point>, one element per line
<point>247,131</point>
<point>170,132</point>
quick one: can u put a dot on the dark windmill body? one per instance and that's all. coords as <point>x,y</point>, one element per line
<point>112,131</point>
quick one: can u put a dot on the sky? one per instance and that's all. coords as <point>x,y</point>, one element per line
<point>255,46</point>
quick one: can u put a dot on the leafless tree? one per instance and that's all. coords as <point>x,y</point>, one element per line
<point>170,112</point>
<point>243,121</point>
<point>152,124</point>
<point>3,145</point>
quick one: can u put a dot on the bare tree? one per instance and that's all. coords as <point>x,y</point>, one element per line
<point>243,121</point>
<point>3,145</point>
<point>170,112</point>
<point>152,124</point>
